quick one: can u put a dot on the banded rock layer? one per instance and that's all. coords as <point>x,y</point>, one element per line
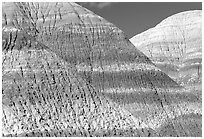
<point>175,46</point>
<point>100,54</point>
<point>43,96</point>
<point>94,46</point>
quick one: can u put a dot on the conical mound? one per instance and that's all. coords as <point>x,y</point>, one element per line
<point>100,54</point>
<point>96,47</point>
<point>175,46</point>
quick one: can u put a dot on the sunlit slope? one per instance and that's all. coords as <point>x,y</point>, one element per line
<point>175,46</point>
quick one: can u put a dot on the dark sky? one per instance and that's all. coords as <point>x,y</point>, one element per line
<point>136,17</point>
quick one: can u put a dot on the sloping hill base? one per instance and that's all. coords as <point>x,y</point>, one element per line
<point>184,126</point>
<point>42,94</point>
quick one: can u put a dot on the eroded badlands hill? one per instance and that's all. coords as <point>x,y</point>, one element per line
<point>43,96</point>
<point>98,53</point>
<point>175,46</point>
<point>96,47</point>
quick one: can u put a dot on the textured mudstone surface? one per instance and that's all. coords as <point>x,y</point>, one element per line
<point>175,46</point>
<point>94,46</point>
<point>42,96</point>
<point>79,62</point>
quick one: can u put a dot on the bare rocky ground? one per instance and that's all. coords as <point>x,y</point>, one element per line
<point>42,96</point>
<point>69,72</point>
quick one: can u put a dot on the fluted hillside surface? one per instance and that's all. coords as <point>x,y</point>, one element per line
<point>175,46</point>
<point>100,54</point>
<point>43,96</point>
<point>96,47</point>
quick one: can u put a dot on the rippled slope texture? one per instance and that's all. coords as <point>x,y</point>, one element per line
<point>42,96</point>
<point>100,56</point>
<point>175,46</point>
<point>94,46</point>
